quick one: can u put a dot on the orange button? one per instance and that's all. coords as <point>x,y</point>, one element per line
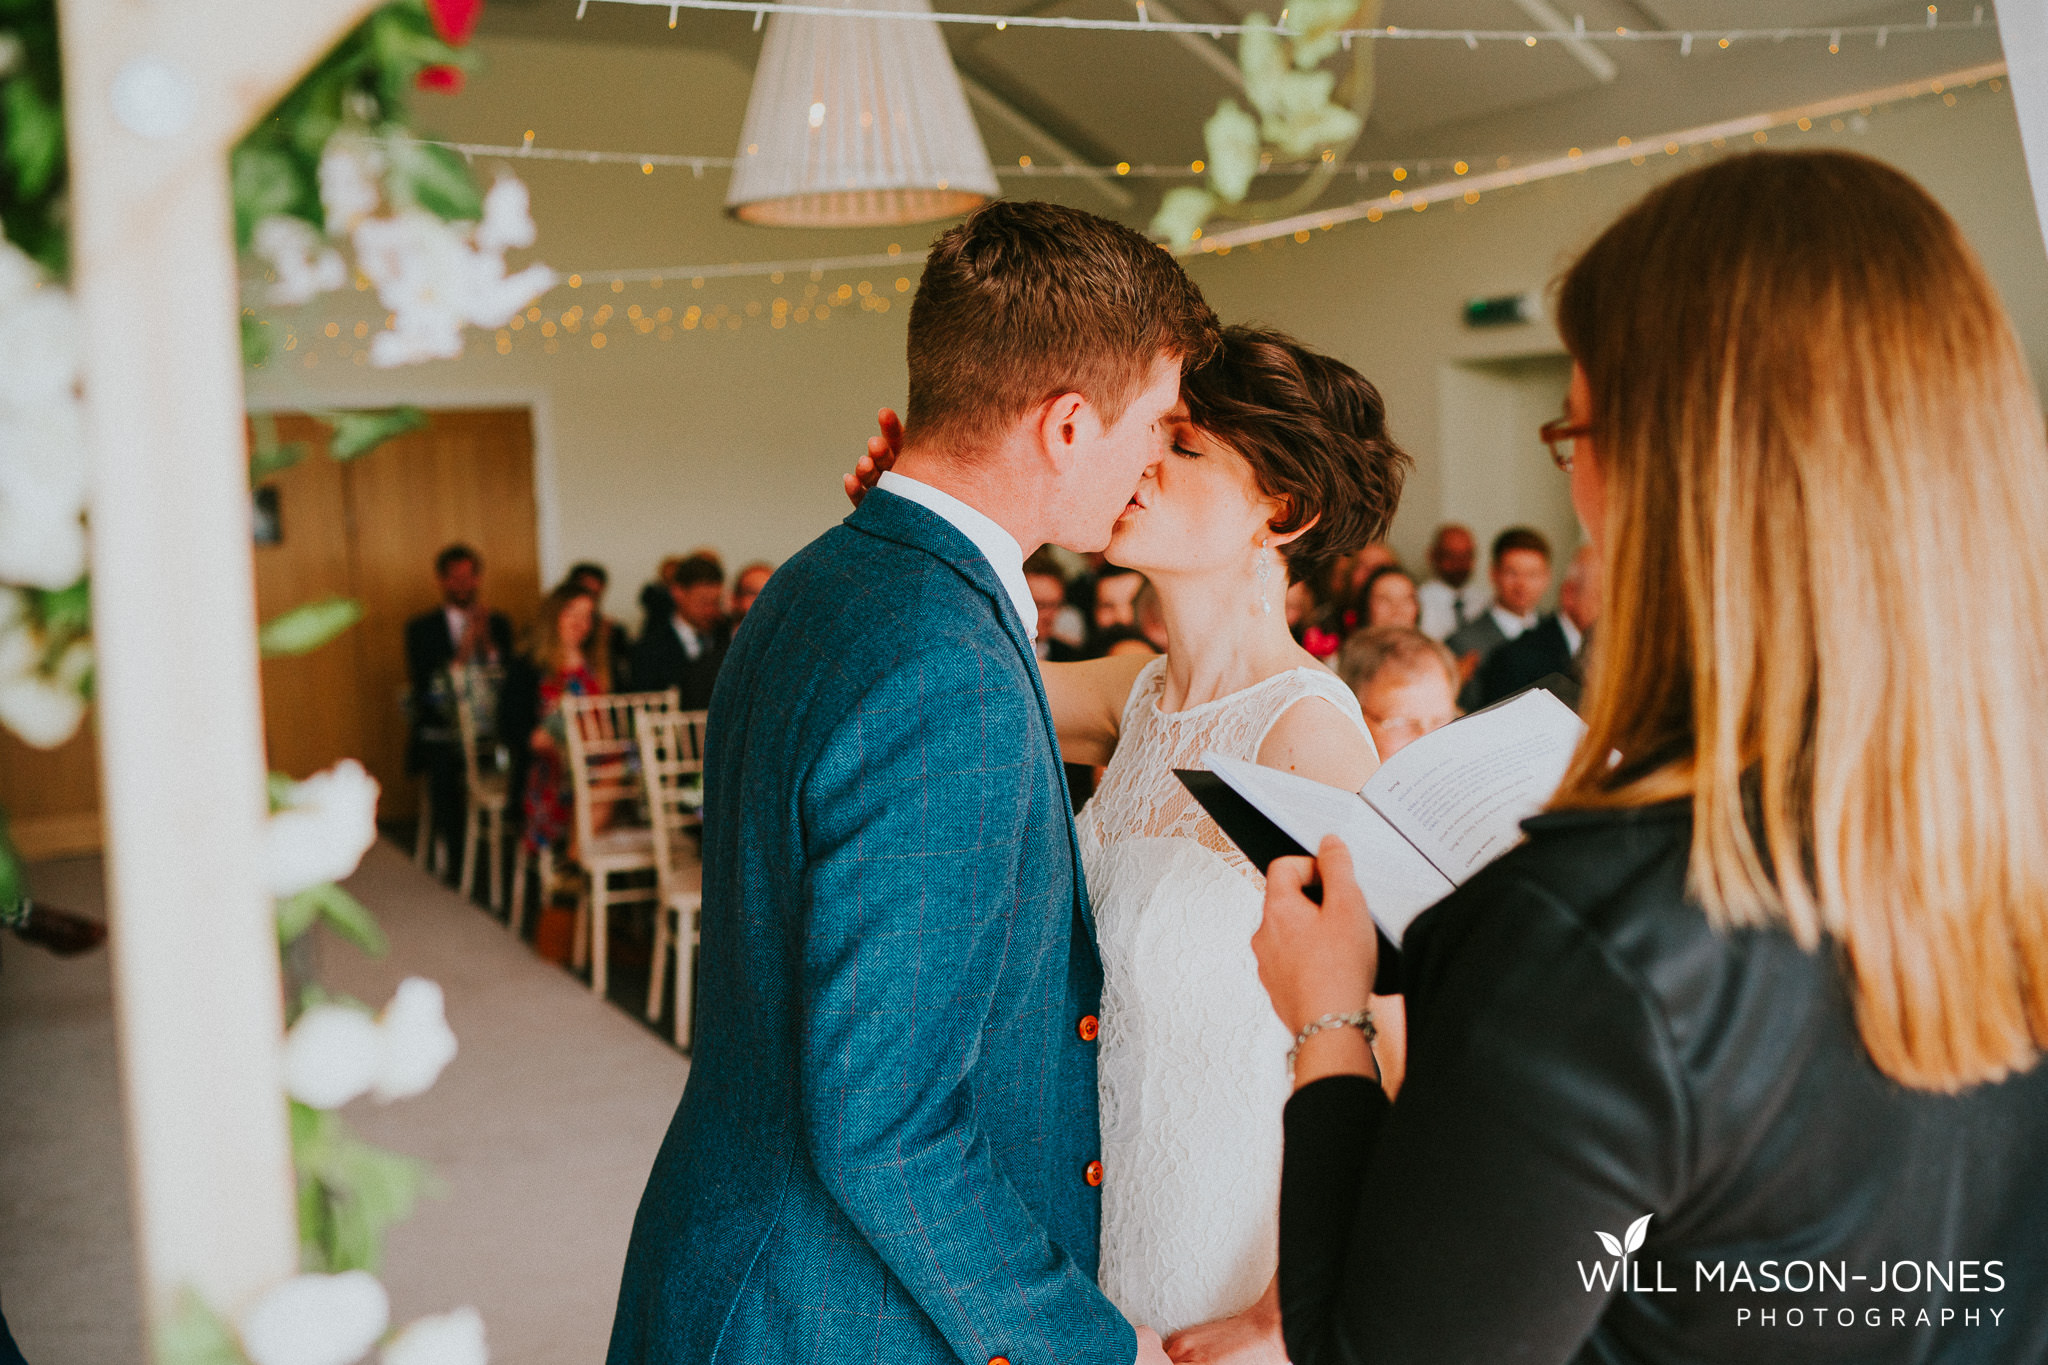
<point>1094,1173</point>
<point>1088,1028</point>
<point>998,1360</point>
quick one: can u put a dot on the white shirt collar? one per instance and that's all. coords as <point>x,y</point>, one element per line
<point>1510,624</point>
<point>997,546</point>
<point>1573,637</point>
<point>693,643</point>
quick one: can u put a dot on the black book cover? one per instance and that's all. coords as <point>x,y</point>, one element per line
<point>1262,841</point>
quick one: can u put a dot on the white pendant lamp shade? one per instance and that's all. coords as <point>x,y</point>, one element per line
<point>857,123</point>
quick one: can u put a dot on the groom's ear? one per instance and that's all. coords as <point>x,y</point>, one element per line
<point>1060,427</point>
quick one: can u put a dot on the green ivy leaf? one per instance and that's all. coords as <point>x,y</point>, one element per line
<point>343,912</point>
<point>350,1192</point>
<point>268,463</point>
<point>196,1335</point>
<point>358,433</point>
<point>33,131</point>
<point>305,628</point>
<point>67,611</point>
<point>255,341</point>
<point>11,884</point>
<point>435,178</point>
<point>266,182</point>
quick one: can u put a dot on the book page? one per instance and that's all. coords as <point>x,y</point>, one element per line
<point>1461,793</point>
<point>1399,883</point>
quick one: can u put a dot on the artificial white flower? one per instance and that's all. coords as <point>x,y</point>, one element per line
<point>508,217</point>
<point>328,822</point>
<point>349,189</point>
<point>43,707</point>
<point>1182,211</point>
<point>1231,137</point>
<point>455,1338</point>
<point>42,540</point>
<point>336,1053</point>
<point>435,282</point>
<point>306,265</point>
<point>331,1056</point>
<point>44,447</point>
<point>317,1320</point>
<point>414,1040</point>
<point>38,350</point>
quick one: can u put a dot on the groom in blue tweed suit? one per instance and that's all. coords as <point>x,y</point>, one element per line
<point>887,1149</point>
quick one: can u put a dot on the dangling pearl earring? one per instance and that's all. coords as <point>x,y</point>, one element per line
<point>1265,578</point>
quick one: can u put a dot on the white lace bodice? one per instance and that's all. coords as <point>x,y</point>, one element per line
<point>1192,1068</point>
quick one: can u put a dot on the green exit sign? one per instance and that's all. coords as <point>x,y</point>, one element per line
<point>1503,310</point>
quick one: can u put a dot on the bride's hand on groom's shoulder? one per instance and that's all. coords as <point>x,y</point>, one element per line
<point>881,455</point>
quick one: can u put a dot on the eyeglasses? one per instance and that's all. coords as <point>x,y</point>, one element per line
<point>1559,433</point>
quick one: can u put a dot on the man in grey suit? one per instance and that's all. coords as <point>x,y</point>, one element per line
<point>887,1151</point>
<point>1521,575</point>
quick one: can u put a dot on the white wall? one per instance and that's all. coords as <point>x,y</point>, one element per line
<point>737,438</point>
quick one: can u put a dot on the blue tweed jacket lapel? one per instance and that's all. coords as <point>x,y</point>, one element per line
<point>884,515</point>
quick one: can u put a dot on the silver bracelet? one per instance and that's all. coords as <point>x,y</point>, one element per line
<point>1360,1020</point>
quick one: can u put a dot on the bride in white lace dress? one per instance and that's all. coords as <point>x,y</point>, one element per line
<point>1281,463</point>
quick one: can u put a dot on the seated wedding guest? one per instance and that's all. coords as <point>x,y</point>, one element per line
<point>1389,598</point>
<point>656,606</point>
<point>746,586</point>
<point>1760,1003</point>
<point>1116,592</point>
<point>1452,598</point>
<point>685,651</point>
<point>1301,607</point>
<point>460,630</point>
<point>1345,611</point>
<point>1405,682</point>
<point>1556,644</point>
<point>1048,583</point>
<point>1521,575</point>
<point>594,578</point>
<point>565,655</point>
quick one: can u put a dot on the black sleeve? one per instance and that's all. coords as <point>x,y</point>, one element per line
<point>1542,1104</point>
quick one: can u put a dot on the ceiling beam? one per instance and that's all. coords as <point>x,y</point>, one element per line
<point>1041,140</point>
<point>1592,58</point>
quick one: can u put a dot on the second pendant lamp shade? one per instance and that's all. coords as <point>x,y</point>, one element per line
<point>857,123</point>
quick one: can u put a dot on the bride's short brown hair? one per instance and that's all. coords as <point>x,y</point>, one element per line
<point>1314,432</point>
<point>1024,301</point>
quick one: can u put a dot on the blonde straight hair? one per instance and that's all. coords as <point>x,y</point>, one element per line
<point>1826,621</point>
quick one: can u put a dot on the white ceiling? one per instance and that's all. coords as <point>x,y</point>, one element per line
<point>1143,97</point>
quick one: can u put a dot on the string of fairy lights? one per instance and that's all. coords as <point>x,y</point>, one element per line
<point>678,302</point>
<point>1143,22</point>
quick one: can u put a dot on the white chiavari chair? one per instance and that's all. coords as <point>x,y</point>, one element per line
<point>485,780</point>
<point>672,766</point>
<point>604,762</point>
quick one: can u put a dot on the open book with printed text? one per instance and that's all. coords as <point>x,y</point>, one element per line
<point>1435,813</point>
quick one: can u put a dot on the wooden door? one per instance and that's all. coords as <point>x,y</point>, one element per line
<point>369,530</point>
<point>378,522</point>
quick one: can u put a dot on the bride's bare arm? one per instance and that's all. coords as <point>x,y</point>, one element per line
<point>1313,738</point>
<point>1087,701</point>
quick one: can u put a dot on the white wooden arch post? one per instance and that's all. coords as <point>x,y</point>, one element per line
<point>156,94</point>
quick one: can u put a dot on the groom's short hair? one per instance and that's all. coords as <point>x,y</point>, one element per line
<point>1024,301</point>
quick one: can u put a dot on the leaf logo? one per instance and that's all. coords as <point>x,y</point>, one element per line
<point>1629,1242</point>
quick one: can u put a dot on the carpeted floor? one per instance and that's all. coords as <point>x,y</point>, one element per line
<point>542,1131</point>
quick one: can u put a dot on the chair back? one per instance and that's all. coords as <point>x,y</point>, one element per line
<point>672,765</point>
<point>604,754</point>
<point>476,717</point>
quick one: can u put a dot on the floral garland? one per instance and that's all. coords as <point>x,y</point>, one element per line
<point>1301,110</point>
<point>331,170</point>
